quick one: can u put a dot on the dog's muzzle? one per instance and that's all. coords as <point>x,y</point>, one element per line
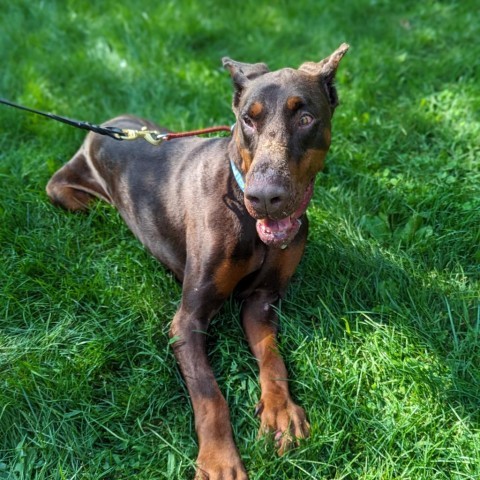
<point>280,232</point>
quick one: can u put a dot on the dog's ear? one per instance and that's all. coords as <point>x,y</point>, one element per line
<point>241,74</point>
<point>325,72</point>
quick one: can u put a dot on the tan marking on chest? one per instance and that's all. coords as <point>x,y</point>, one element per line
<point>288,260</point>
<point>230,272</point>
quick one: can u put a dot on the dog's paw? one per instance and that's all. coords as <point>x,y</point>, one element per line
<point>219,464</point>
<point>284,418</point>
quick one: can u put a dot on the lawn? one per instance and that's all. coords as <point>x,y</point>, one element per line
<point>381,324</point>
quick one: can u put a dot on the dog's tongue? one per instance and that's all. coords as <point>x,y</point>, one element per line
<point>278,233</point>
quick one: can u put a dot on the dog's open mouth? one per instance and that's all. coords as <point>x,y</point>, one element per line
<point>279,233</point>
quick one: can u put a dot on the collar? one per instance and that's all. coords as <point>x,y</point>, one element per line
<point>238,176</point>
<point>236,172</point>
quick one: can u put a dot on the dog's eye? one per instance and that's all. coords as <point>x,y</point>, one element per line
<point>305,120</point>
<point>248,121</point>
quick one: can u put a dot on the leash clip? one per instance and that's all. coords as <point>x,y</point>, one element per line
<point>151,136</point>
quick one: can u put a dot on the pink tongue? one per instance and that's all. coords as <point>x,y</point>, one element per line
<point>276,226</point>
<point>278,233</point>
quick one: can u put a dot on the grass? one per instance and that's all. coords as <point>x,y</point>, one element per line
<point>380,329</point>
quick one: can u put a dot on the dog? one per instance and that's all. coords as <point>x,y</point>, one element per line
<point>225,215</point>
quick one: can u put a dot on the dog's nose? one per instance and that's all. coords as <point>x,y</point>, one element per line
<point>267,200</point>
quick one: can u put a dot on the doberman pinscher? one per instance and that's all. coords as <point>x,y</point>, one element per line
<point>225,215</point>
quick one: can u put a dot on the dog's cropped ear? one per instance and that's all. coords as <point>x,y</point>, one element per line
<point>241,74</point>
<point>325,72</point>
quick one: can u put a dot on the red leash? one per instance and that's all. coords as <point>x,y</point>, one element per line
<point>201,131</point>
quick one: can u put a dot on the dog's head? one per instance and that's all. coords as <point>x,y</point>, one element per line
<point>281,138</point>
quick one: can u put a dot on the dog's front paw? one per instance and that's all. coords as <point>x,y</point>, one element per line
<point>284,418</point>
<point>219,464</point>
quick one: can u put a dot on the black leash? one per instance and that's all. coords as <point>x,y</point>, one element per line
<point>113,132</point>
<point>151,136</point>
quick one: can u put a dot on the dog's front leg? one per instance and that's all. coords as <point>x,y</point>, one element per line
<point>218,457</point>
<point>278,413</point>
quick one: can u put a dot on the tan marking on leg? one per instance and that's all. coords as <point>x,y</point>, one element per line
<point>276,409</point>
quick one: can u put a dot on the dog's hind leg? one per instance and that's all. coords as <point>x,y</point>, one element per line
<point>76,184</point>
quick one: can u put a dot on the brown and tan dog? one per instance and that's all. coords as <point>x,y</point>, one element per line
<point>226,215</point>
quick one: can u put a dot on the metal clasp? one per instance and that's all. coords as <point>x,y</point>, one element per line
<point>151,136</point>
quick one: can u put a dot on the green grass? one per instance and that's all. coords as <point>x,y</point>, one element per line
<point>380,329</point>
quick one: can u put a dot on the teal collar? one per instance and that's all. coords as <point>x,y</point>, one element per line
<point>238,176</point>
